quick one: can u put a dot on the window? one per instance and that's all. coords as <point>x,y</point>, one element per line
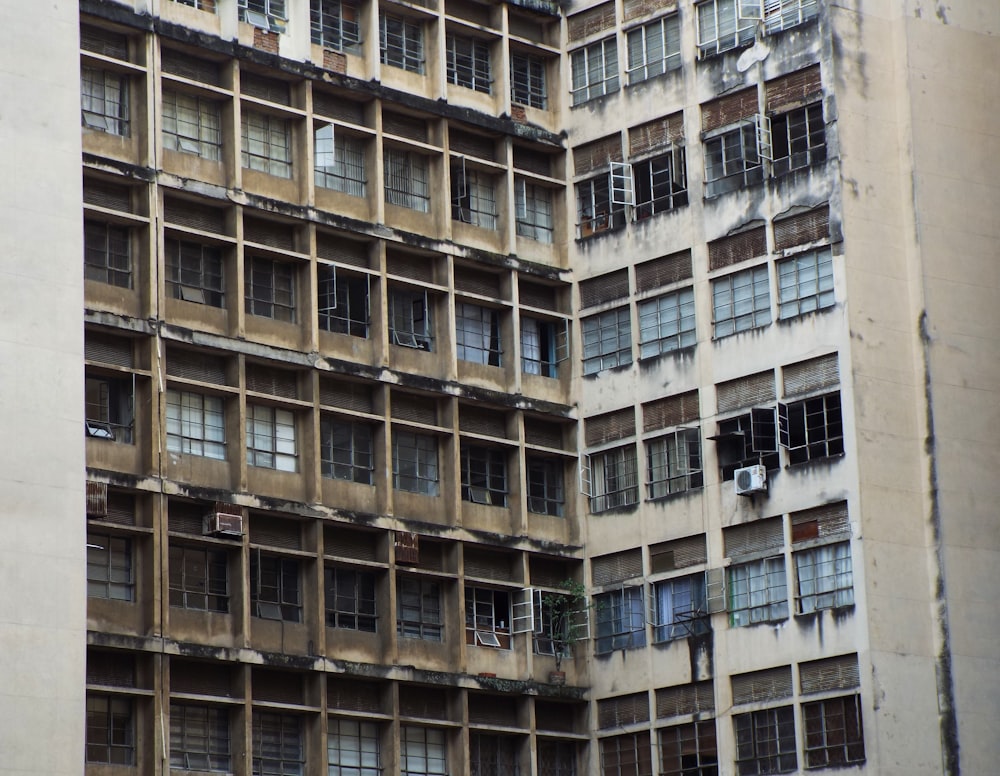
<point>680,608</point>
<point>534,211</point>
<point>335,25</point>
<point>271,438</point>
<point>782,14</point>
<point>104,101</point>
<point>414,462</point>
<point>747,440</point>
<point>350,599</point>
<point>689,750</point>
<point>346,450</point>
<point>595,70</point>
<point>555,623</point>
<point>199,738</point>
<point>468,63</point>
<point>654,49</point>
<point>191,125</point>
<point>765,741</point>
<point>607,340</point>
<point>196,424</point>
<point>527,81</point>
<point>194,272</point>
<point>267,144</point>
<point>825,578</point>
<point>484,475</point>
<point>666,323</point>
<point>110,730</point>
<point>544,345</point>
<point>203,5</point>
<point>272,10</point>
<point>757,592</point>
<point>343,301</point>
<point>108,408</point>
<point>626,755</point>
<point>352,748</point>
<point>674,463</point>
<point>741,301</point>
<point>473,197</point>
<point>805,284</point>
<point>812,428</point>
<point>487,617</point>
<point>418,609</point>
<point>798,139</point>
<point>614,479</point>
<point>621,622</point>
<point>423,751</point>
<point>556,758</point>
<point>491,755</point>
<point>340,161</point>
<point>277,744</point>
<point>269,287</point>
<point>721,28</point>
<point>834,736</point>
<point>199,579</point>
<point>410,319</point>
<point>660,184</point>
<point>477,334</point>
<point>546,495</point>
<point>406,180</point>
<point>732,160</point>
<point>107,254</point>
<point>595,210</point>
<point>274,587</point>
<point>401,43</point>
<point>109,567</point>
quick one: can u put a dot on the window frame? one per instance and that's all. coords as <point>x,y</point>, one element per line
<point>765,741</point>
<point>113,556</point>
<point>621,619</point>
<point>594,71</point>
<point>546,488</point>
<point>642,57</point>
<point>104,101</point>
<point>487,617</point>
<point>805,283</point>
<point>422,617</point>
<point>630,757</point>
<point>534,215</point>
<point>737,437</point>
<point>109,406</point>
<point>269,288</point>
<point>555,758</point>
<point>331,28</point>
<point>667,323</point>
<point>484,475</point>
<point>528,83</point>
<point>406,179</point>
<point>351,598</point>
<point>426,473</point>
<point>468,62</point>
<point>677,467</point>
<point>423,751</point>
<point>478,334</point>
<point>817,748</point>
<point>350,294</point>
<point>200,738</point>
<point>107,253</point>
<point>767,603</point>
<point>340,160</point>
<point>270,151</point>
<point>680,612</point>
<point>493,755</point>
<point>277,589</point>
<point>798,139</point>
<point>712,41</point>
<point>607,339</point>
<point>194,272</point>
<point>198,578</point>
<point>413,309</point>
<point>284,738</point>
<point>363,757</point>
<point>660,183</point>
<point>274,445</point>
<point>596,212</point>
<point>614,478</point>
<point>729,314</point>
<point>811,429</point>
<point>833,589</point>
<point>202,119</point>
<point>732,159</point>
<point>401,42</point>
<point>473,196</point>
<point>189,427</point>
<point>116,729</point>
<point>353,462</point>
<point>544,345</point>
<point>693,750</point>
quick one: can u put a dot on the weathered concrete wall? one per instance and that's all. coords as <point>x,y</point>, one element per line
<point>42,539</point>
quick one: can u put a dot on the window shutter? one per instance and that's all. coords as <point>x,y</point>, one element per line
<point>416,409</point>
<point>553,716</point>
<point>623,710</point>
<point>97,499</point>
<point>432,556</point>
<point>186,518</point>
<point>735,248</point>
<point>336,106</point>
<point>604,288</point>
<point>108,195</point>
<point>663,132</point>
<point>194,215</point>
<point>346,395</point>
<point>341,542</point>
<point>636,8</point>
<point>618,567</point>
<point>833,673</point>
<point>471,145</point>
<point>663,271</point>
<point>484,564</point>
<point>351,695</point>
<point>277,686</point>
<point>408,265</point>
<point>110,44</point>
<point>404,126</point>
<point>537,295</point>
<point>811,375</point>
<point>829,521</point>
<point>407,547</point>
<point>754,538</point>
<point>590,22</point>
<point>597,155</point>
<point>121,508</point>
<point>270,89</point>
<point>694,698</point>
<point>473,281</point>
<point>274,382</point>
<point>191,365</point>
<point>760,686</point>
<point>746,392</point>
<point>479,421</point>
<point>110,669</point>
<point>422,702</point>
<point>678,554</point>
<point>793,90</point>
<point>188,676</point>
<point>269,233</point>
<point>548,573</point>
<point>542,433</point>
<point>107,349</point>
<point>275,532</point>
<point>184,65</point>
<point>532,161</point>
<point>729,110</point>
<point>670,411</point>
<point>802,228</point>
<point>492,710</point>
<point>333,247</point>
<point>610,426</point>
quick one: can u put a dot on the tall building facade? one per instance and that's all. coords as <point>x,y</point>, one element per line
<point>470,388</point>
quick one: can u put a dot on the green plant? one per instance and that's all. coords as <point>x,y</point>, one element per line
<point>565,616</point>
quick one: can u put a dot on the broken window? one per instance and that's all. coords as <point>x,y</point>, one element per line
<point>199,579</point>
<point>595,70</point>
<point>741,301</point>
<point>721,28</point>
<point>340,161</point>
<point>107,253</point>
<point>350,599</point>
<point>805,283</point>
<point>401,43</point>
<point>765,741</point>
<point>346,450</point>
<point>191,125</point>
<point>812,428</point>
<point>199,738</point>
<point>660,183</point>
<point>266,144</point>
<point>275,589</point>
<point>484,475</point>
<point>415,462</point>
<point>271,438</point>
<point>104,101</point>
<point>269,288</point>
<point>674,463</point>
<point>468,62</point>
<point>335,25</point>
<point>487,617</point>
<point>406,179</point>
<point>194,272</point>
<point>654,49</point>
<point>747,440</point>
<point>527,81</point>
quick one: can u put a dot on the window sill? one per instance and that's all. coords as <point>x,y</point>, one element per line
<point>838,611</point>
<point>692,491</point>
<point>825,460</point>
<point>684,351</point>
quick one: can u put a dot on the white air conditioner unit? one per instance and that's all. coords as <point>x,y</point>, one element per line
<point>222,524</point>
<point>750,480</point>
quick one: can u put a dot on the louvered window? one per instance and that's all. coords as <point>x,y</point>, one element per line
<point>752,390</point>
<point>812,375</point>
<point>589,22</point>
<point>493,710</point>
<point>829,674</point>
<point>351,695</point>
<point>677,554</point>
<point>191,365</point>
<point>774,684</point>
<point>664,271</point>
<point>826,523</point>
<point>802,228</point>
<point>610,426</point>
<point>604,288</point>
<point>111,669</point>
<point>684,699</point>
<point>735,248</point>
<point>346,395</point>
<point>618,567</point>
<point>623,710</point>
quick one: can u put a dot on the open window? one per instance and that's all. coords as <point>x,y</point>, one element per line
<point>747,440</point>
<point>622,188</point>
<point>487,617</point>
<point>410,319</point>
<point>110,405</point>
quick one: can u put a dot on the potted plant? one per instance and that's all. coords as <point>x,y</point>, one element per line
<point>566,614</point>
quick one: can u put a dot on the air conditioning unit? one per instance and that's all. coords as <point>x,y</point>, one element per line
<point>222,524</point>
<point>750,480</point>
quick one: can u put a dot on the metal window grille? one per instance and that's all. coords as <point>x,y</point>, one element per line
<point>107,254</point>
<point>199,738</point>
<point>721,28</point>
<point>194,272</point>
<point>468,63</point>
<point>825,578</point>
<point>343,302</point>
<point>812,428</point>
<point>732,160</point>
<point>660,183</point>
<point>278,745</point>
<point>401,43</point>
<point>477,334</point>
<point>674,463</point>
<point>353,748</point>
<point>484,475</point>
<point>110,730</point>
<point>473,197</point>
<point>414,462</point>
<point>757,592</point>
<point>546,491</point>
<point>350,599</point>
<point>595,71</point>
<point>104,101</point>
<point>266,144</point>
<point>335,25</point>
<point>527,81</point>
<point>607,340</point>
<point>805,284</point>
<point>614,479</point>
<point>269,287</point>
<point>340,162</point>
<point>270,436</point>
<point>666,323</point>
<point>741,301</point>
<point>196,424</point>
<point>346,450</point>
<point>689,750</point>
<point>191,125</point>
<point>199,579</point>
<point>406,180</point>
<point>418,609</point>
<point>765,741</point>
<point>109,567</point>
<point>654,49</point>
<point>275,592</point>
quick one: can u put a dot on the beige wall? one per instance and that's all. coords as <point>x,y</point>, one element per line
<point>42,552</point>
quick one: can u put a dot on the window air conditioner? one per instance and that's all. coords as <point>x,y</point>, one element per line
<point>222,524</point>
<point>750,480</point>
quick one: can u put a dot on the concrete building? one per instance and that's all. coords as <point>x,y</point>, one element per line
<point>404,321</point>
